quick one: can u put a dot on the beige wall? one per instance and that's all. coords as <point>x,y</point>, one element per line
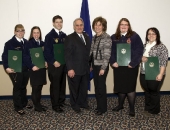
<point>6,86</point>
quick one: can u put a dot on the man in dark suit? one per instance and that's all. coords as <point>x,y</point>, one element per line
<point>56,70</point>
<point>77,48</point>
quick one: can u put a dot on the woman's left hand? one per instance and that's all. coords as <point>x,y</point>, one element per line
<point>159,77</point>
<point>101,72</point>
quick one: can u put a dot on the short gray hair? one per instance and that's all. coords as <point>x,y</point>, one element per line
<point>77,20</point>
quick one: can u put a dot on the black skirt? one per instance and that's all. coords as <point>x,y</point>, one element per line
<point>38,77</point>
<point>125,79</point>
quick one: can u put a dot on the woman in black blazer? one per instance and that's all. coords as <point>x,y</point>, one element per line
<point>37,75</point>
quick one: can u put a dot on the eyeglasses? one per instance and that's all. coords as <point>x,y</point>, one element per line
<point>124,25</point>
<point>20,30</point>
<point>153,34</point>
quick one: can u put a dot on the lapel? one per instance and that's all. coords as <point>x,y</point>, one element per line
<point>54,33</point>
<point>78,38</point>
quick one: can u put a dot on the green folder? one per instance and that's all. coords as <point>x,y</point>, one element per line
<point>59,53</point>
<point>123,54</point>
<point>37,57</point>
<point>151,68</point>
<point>15,60</point>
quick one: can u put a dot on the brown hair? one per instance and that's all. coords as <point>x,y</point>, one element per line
<point>156,31</point>
<point>130,32</point>
<point>20,26</point>
<point>31,34</point>
<point>102,21</point>
<point>57,17</point>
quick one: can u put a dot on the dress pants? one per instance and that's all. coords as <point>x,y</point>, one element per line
<point>100,88</point>
<point>78,86</point>
<point>57,77</point>
<point>152,95</point>
<point>20,81</point>
<point>36,96</point>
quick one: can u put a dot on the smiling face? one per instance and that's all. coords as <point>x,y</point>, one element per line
<point>58,24</point>
<point>36,34</point>
<point>19,32</point>
<point>98,28</point>
<point>124,26</point>
<point>78,26</point>
<point>151,36</point>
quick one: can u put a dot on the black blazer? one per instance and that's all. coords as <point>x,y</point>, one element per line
<point>77,53</point>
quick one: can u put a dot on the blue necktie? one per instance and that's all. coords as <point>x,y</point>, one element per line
<point>38,43</point>
<point>60,33</point>
<point>22,43</point>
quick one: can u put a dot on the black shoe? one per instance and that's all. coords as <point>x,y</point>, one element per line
<point>132,114</point>
<point>95,110</point>
<point>44,109</point>
<point>21,112</point>
<point>77,110</point>
<point>98,113</point>
<point>29,107</point>
<point>58,110</point>
<point>64,105</point>
<point>117,108</point>
<point>87,108</point>
<point>38,110</point>
<point>44,106</point>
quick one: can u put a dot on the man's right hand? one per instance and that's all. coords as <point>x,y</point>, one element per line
<point>71,73</point>
<point>9,70</point>
<point>56,64</point>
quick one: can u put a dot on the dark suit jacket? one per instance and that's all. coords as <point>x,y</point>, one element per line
<point>77,53</point>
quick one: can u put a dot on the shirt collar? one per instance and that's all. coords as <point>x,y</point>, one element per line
<point>57,31</point>
<point>19,39</point>
<point>37,40</point>
<point>152,44</point>
<point>124,34</point>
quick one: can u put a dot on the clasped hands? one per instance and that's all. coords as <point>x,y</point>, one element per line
<point>35,68</point>
<point>116,65</point>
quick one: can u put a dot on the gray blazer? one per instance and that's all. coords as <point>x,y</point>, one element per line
<point>104,50</point>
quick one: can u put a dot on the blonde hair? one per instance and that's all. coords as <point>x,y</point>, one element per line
<point>20,26</point>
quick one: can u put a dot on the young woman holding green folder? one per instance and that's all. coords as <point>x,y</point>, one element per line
<point>37,75</point>
<point>125,77</point>
<point>153,48</point>
<point>19,79</point>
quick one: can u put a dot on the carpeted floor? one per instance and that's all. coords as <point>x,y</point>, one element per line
<point>87,120</point>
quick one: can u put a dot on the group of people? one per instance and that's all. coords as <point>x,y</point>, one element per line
<point>81,56</point>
